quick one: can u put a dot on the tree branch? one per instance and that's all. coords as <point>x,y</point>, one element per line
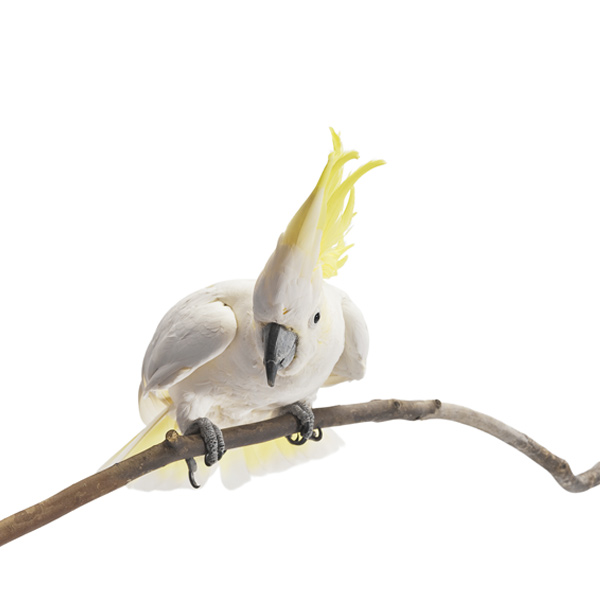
<point>177,447</point>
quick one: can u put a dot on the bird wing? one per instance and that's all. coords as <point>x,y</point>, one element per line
<point>353,361</point>
<point>192,333</point>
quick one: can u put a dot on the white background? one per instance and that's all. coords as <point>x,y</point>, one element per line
<point>148,149</point>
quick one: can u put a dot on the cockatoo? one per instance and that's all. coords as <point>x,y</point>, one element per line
<point>243,351</point>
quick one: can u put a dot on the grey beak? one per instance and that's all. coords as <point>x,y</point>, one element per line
<point>280,348</point>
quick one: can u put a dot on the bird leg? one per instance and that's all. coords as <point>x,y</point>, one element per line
<point>213,441</point>
<point>306,419</point>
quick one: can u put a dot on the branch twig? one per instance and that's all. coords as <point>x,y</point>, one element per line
<point>177,447</point>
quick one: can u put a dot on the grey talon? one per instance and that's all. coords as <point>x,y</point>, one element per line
<point>213,441</point>
<point>192,468</point>
<point>317,435</point>
<point>306,419</point>
<point>296,439</point>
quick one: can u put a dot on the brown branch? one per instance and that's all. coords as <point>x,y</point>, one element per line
<point>177,447</point>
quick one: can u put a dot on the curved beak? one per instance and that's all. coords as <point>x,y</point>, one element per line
<point>280,348</point>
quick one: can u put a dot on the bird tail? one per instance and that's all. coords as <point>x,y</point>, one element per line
<point>172,476</point>
<point>237,466</point>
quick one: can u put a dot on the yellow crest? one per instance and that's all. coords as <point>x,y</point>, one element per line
<point>326,216</point>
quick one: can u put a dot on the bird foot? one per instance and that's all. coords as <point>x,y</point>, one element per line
<point>306,419</point>
<point>213,441</point>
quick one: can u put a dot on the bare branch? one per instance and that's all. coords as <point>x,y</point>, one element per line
<point>557,467</point>
<point>177,447</point>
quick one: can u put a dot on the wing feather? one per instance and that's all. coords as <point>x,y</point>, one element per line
<point>192,333</point>
<point>353,361</point>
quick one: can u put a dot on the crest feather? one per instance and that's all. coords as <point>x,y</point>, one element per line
<point>321,223</point>
<point>335,218</point>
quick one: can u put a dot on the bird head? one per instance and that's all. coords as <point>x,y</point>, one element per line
<point>289,305</point>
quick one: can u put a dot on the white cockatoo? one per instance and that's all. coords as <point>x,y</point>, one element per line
<point>243,351</point>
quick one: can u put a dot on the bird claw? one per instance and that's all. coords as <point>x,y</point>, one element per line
<point>213,441</point>
<point>317,435</point>
<point>192,468</point>
<point>306,419</point>
<point>296,439</point>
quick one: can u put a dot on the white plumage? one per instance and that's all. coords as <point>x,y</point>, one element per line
<point>208,354</point>
<point>208,357</point>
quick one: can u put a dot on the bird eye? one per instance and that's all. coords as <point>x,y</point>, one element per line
<point>316,317</point>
